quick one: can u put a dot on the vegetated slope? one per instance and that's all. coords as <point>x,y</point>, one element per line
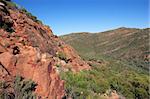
<point>113,56</point>
<point>107,79</point>
<point>29,49</point>
<point>127,44</point>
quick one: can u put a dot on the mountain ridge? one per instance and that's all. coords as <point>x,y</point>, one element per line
<point>104,30</point>
<point>110,42</point>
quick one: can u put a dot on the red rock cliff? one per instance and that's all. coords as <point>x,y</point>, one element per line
<point>32,51</point>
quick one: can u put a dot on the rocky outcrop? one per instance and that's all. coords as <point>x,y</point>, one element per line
<point>32,64</point>
<point>32,51</point>
<point>112,94</point>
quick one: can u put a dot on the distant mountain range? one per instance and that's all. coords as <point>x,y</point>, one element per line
<point>127,44</point>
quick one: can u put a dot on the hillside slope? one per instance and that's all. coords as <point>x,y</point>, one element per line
<point>119,64</point>
<point>127,44</point>
<point>29,49</point>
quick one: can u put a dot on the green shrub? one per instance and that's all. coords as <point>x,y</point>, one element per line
<point>12,5</point>
<point>19,89</point>
<point>62,56</point>
<point>23,89</point>
<point>4,91</point>
<point>34,18</point>
<point>58,65</point>
<point>6,27</point>
<point>80,85</point>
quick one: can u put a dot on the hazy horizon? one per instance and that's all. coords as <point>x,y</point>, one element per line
<point>70,16</point>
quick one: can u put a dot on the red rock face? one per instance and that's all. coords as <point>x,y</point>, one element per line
<point>31,51</point>
<point>34,65</point>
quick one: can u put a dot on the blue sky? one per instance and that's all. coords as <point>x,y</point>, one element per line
<point>67,16</point>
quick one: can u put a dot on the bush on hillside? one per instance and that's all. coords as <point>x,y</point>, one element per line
<point>34,18</point>
<point>7,27</point>
<point>4,91</point>
<point>62,56</point>
<point>22,89</point>
<point>113,75</point>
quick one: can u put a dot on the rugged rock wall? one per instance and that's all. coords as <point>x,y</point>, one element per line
<point>28,48</point>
